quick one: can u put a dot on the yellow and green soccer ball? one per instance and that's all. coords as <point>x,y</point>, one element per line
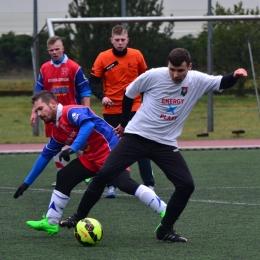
<point>88,232</point>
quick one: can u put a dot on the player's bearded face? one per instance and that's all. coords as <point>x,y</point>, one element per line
<point>50,116</point>
<point>46,112</point>
<point>178,73</point>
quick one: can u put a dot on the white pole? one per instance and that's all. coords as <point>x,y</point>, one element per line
<point>254,78</point>
<point>209,71</point>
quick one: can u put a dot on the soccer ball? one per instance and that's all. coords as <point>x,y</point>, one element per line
<point>88,232</point>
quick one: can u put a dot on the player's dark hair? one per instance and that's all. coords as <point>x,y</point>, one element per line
<point>51,40</point>
<point>178,56</point>
<point>45,95</point>
<point>118,30</point>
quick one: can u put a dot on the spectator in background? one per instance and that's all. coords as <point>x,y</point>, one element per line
<point>117,68</point>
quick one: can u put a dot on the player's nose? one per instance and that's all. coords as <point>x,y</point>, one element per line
<point>175,74</point>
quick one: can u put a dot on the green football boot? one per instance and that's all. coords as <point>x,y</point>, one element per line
<point>44,225</point>
<point>87,181</point>
<point>162,214</point>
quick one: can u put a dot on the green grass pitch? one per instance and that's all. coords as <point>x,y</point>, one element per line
<point>221,220</point>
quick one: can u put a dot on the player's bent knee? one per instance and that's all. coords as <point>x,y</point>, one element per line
<point>186,189</point>
<point>62,175</point>
<point>191,187</point>
<point>126,184</point>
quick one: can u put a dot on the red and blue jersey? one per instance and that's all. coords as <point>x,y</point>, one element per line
<point>72,129</point>
<point>66,80</point>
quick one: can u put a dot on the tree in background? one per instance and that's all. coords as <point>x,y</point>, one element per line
<point>90,39</point>
<point>188,42</point>
<point>15,52</point>
<point>83,41</point>
<point>230,49</point>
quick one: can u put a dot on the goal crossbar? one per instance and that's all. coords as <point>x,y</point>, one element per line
<point>51,21</point>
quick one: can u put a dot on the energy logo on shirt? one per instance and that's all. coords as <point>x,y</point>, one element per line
<point>171,109</point>
<point>169,117</point>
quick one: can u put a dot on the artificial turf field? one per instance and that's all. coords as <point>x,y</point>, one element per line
<point>221,220</point>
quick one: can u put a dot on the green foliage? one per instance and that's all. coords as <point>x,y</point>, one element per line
<point>91,39</point>
<point>15,51</point>
<point>188,42</point>
<point>230,43</point>
<point>42,46</point>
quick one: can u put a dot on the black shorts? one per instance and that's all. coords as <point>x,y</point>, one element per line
<point>133,147</point>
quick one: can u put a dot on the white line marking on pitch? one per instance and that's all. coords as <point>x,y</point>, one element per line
<point>127,195</point>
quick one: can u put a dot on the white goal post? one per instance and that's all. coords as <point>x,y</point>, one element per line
<point>51,21</point>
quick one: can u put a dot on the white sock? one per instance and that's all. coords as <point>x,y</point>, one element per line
<point>57,162</point>
<point>57,203</point>
<point>149,198</point>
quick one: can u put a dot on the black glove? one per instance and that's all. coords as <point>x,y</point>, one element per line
<point>20,190</point>
<point>65,154</point>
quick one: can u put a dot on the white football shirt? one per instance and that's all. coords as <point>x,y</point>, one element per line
<point>166,105</point>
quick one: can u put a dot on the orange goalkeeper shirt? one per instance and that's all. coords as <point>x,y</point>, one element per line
<point>117,72</point>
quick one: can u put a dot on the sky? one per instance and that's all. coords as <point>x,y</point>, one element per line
<point>17,15</point>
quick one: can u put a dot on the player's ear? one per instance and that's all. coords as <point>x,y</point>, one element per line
<point>53,103</point>
<point>190,66</point>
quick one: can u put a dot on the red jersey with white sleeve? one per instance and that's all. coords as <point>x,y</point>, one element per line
<point>69,122</point>
<point>98,144</point>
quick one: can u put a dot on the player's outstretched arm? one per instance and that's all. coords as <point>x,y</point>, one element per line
<point>37,169</point>
<point>21,190</point>
<point>230,80</point>
<point>240,73</point>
